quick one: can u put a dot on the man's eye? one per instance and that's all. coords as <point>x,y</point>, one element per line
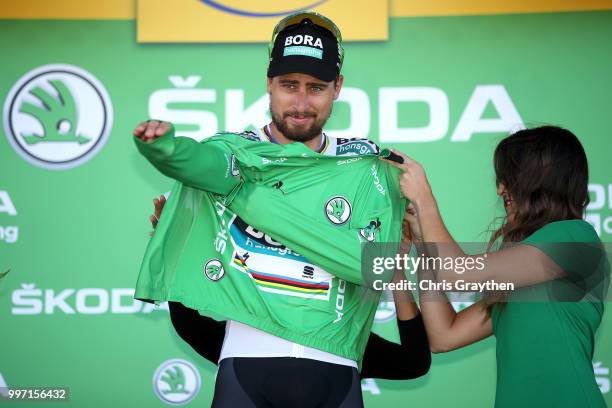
<point>316,89</point>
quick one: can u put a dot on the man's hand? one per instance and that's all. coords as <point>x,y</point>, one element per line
<point>158,204</point>
<point>151,130</point>
<point>411,229</point>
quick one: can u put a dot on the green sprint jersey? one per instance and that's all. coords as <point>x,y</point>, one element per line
<point>271,235</point>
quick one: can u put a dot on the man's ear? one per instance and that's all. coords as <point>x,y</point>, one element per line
<point>339,83</point>
<point>269,85</point>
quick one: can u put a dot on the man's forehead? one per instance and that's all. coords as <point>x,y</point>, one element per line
<point>300,78</point>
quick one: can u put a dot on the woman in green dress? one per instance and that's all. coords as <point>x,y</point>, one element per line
<point>545,327</point>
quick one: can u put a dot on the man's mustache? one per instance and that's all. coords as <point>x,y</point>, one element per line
<point>300,114</point>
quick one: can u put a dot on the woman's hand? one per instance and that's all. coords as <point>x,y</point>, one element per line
<point>413,181</point>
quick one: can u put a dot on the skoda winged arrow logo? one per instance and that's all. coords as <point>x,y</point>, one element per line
<point>174,377</point>
<point>338,210</point>
<point>176,382</point>
<point>214,270</point>
<point>57,116</point>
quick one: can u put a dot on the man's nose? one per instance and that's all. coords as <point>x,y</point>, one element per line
<point>301,100</point>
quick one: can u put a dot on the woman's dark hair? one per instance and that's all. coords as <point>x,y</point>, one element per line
<point>545,173</point>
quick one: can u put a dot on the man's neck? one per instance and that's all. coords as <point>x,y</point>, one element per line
<point>312,144</point>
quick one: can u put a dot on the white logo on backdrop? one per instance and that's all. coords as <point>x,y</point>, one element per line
<point>239,116</point>
<point>176,382</point>
<point>597,212</point>
<point>369,385</point>
<point>386,310</point>
<point>8,233</point>
<point>602,376</point>
<point>57,116</point>
<point>462,300</point>
<point>3,387</point>
<point>30,300</point>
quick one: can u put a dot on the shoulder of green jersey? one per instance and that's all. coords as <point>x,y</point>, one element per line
<point>248,134</point>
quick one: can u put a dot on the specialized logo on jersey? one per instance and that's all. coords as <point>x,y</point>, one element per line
<point>240,261</point>
<point>176,382</point>
<point>338,210</point>
<point>213,270</point>
<point>256,253</point>
<point>355,146</point>
<point>369,233</point>
<point>57,116</point>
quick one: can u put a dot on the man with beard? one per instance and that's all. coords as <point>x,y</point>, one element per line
<point>258,368</point>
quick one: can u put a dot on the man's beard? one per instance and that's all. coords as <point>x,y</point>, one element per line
<point>298,134</point>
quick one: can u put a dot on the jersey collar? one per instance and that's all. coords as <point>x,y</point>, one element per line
<point>322,147</point>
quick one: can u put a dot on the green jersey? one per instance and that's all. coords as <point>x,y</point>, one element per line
<point>545,348</point>
<point>270,235</point>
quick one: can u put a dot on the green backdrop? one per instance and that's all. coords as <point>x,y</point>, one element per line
<point>74,237</point>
